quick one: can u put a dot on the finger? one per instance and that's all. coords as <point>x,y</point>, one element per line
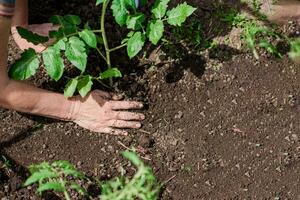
<point>116,97</point>
<point>125,105</point>
<point>102,94</point>
<point>124,124</point>
<point>130,116</point>
<point>113,131</point>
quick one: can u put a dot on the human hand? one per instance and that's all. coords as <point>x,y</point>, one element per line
<point>40,29</point>
<point>105,113</point>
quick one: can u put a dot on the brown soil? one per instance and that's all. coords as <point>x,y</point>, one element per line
<point>214,130</point>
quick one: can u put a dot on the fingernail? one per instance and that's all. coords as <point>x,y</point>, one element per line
<point>138,125</point>
<point>141,105</point>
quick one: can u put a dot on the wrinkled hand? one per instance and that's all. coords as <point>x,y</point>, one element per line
<point>41,29</point>
<point>105,113</point>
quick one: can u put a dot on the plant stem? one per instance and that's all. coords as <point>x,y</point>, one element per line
<point>66,194</point>
<point>107,51</point>
<point>101,54</point>
<point>118,47</point>
<point>96,31</point>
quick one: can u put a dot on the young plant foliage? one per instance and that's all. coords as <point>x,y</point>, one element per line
<point>73,41</point>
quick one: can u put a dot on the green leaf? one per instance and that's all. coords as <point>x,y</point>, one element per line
<point>135,22</point>
<point>67,25</point>
<point>79,189</point>
<point>89,37</point>
<point>135,44</point>
<point>269,47</point>
<point>178,15</point>
<point>31,37</point>
<point>56,186</point>
<point>73,19</point>
<point>121,10</point>
<point>54,64</point>
<point>133,158</point>
<point>76,53</point>
<point>98,2</point>
<point>295,48</point>
<point>85,85</point>
<point>155,31</point>
<point>26,66</point>
<point>110,73</point>
<point>70,88</point>
<point>39,176</point>
<point>160,8</point>
<point>60,44</point>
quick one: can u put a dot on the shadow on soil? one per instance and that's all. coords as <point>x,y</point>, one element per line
<point>15,173</point>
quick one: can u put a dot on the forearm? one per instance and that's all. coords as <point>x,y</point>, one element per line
<point>23,97</point>
<point>29,99</point>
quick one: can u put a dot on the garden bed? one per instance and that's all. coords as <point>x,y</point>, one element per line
<point>215,128</point>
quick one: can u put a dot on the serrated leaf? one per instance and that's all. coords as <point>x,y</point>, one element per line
<point>89,37</point>
<point>54,64</point>
<point>135,22</point>
<point>26,66</point>
<point>135,44</point>
<point>63,164</point>
<point>70,88</point>
<point>56,186</point>
<point>121,10</point>
<point>60,44</point>
<point>78,188</point>
<point>76,53</point>
<point>155,31</point>
<point>85,85</point>
<point>110,73</point>
<point>31,37</point>
<point>133,158</point>
<point>98,2</point>
<point>67,26</point>
<point>39,176</point>
<point>179,14</point>
<point>73,19</point>
<point>160,8</point>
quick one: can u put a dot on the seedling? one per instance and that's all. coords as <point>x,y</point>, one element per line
<point>254,35</point>
<point>6,163</point>
<point>295,49</point>
<point>61,177</point>
<point>142,186</point>
<point>56,177</point>
<point>75,40</point>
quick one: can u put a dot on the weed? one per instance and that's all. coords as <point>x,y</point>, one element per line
<point>75,40</point>
<point>254,35</point>
<point>61,177</point>
<point>295,49</point>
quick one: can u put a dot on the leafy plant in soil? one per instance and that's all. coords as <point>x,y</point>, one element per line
<point>253,34</point>
<point>63,177</point>
<point>74,41</point>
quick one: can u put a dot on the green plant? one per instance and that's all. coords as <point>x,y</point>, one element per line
<point>56,177</point>
<point>295,49</point>
<point>254,35</point>
<point>6,163</point>
<point>61,177</point>
<point>76,40</point>
<point>143,184</point>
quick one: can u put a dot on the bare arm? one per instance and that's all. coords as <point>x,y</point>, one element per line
<point>98,112</point>
<point>26,98</point>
